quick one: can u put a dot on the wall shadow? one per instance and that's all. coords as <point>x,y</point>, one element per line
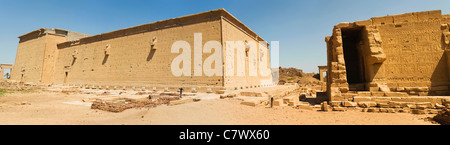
<point>105,59</point>
<point>73,61</point>
<point>150,55</point>
<point>439,79</point>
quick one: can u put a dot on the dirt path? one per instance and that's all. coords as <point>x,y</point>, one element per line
<point>57,108</point>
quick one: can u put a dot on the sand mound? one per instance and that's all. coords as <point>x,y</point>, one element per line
<point>293,75</point>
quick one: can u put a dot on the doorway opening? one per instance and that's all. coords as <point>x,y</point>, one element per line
<point>354,60</point>
<point>6,73</point>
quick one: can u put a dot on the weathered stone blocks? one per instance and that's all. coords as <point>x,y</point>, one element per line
<point>367,104</point>
<point>349,104</point>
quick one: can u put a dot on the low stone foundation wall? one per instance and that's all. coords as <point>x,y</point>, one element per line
<point>415,105</point>
<point>16,86</point>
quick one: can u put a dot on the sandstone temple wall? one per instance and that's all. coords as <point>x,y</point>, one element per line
<point>136,57</point>
<point>132,60</point>
<point>232,32</point>
<point>389,55</point>
<point>30,57</point>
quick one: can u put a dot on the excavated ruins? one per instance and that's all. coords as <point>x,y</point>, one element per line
<point>398,63</point>
<point>390,64</point>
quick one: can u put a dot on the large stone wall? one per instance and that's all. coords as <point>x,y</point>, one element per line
<point>232,33</point>
<point>137,57</point>
<point>400,53</point>
<point>132,61</point>
<point>29,58</point>
<point>50,57</point>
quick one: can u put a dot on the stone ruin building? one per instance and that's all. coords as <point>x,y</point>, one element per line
<point>136,57</point>
<point>392,56</point>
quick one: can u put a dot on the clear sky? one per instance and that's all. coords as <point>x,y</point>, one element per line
<point>300,26</point>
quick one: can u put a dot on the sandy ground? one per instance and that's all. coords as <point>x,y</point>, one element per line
<point>59,108</point>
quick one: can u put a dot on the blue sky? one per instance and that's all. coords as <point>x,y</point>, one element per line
<point>300,26</point>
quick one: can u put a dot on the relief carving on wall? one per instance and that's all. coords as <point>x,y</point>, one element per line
<point>376,50</point>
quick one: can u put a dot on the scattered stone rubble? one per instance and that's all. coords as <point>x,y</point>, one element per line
<point>120,101</point>
<point>443,117</point>
<point>122,104</point>
<point>17,86</point>
<point>389,106</point>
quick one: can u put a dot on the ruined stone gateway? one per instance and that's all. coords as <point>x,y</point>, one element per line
<point>395,56</point>
<point>136,57</point>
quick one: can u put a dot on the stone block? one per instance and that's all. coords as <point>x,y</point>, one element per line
<point>223,96</point>
<point>335,103</point>
<point>411,106</point>
<point>324,106</point>
<point>394,104</point>
<point>349,104</point>
<point>396,94</point>
<point>231,95</point>
<point>361,99</point>
<point>209,90</point>
<point>363,23</point>
<point>288,99</point>
<point>364,110</point>
<point>278,102</point>
<point>344,89</point>
<point>422,107</point>
<point>391,110</point>
<point>439,106</point>
<point>384,88</point>
<point>338,109</point>
<point>293,103</point>
<point>404,110</point>
<point>251,94</point>
<point>383,110</point>
<point>418,111</point>
<point>422,89</point>
<point>381,99</point>
<point>374,89</point>
<point>344,25</point>
<point>432,111</point>
<point>377,94</point>
<point>427,104</point>
<point>423,93</point>
<point>374,110</point>
<point>383,105</point>
<point>304,106</point>
<point>364,93</point>
<point>220,92</point>
<point>367,104</point>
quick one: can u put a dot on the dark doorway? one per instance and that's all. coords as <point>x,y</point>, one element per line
<point>354,61</point>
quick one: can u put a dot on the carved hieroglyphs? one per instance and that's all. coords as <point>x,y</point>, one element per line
<point>400,53</point>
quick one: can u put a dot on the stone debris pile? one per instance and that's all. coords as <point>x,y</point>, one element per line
<point>388,106</point>
<point>122,104</point>
<point>443,117</point>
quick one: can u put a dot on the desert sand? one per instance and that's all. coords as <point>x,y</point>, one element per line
<point>44,108</point>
